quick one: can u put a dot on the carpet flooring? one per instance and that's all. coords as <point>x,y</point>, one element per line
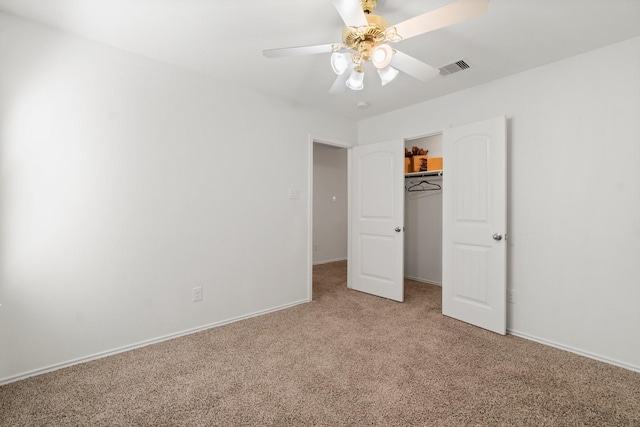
<point>345,359</point>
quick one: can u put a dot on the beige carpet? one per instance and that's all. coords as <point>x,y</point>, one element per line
<point>347,358</point>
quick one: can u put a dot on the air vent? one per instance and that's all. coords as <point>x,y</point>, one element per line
<point>454,67</point>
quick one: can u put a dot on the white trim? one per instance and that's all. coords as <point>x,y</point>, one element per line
<point>107,353</point>
<point>310,219</point>
<point>329,261</point>
<point>428,282</point>
<point>330,141</point>
<point>574,350</point>
<point>349,196</point>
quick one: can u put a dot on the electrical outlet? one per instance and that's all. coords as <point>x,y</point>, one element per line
<point>511,295</point>
<point>294,193</point>
<point>197,294</point>
<point>315,247</point>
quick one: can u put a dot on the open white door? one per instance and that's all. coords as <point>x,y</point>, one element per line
<point>474,250</point>
<point>376,255</point>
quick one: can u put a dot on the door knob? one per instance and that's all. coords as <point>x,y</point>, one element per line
<point>398,229</point>
<point>497,236</point>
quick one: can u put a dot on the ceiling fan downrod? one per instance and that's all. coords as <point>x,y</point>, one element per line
<point>368,6</point>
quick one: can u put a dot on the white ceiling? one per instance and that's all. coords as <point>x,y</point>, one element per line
<point>225,38</point>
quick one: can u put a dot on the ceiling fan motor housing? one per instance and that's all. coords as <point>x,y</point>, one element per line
<point>365,38</point>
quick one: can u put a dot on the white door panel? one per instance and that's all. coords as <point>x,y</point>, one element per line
<point>377,209</point>
<point>474,210</point>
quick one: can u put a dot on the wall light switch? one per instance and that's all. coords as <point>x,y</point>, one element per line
<point>197,294</point>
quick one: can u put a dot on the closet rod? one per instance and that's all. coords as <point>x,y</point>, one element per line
<point>425,173</point>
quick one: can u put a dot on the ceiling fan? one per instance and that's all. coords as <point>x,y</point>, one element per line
<point>366,36</point>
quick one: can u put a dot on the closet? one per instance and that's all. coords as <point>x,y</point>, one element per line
<point>423,217</point>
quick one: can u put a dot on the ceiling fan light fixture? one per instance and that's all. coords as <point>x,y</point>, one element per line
<point>381,56</point>
<point>366,38</point>
<point>387,74</point>
<point>356,80</point>
<point>340,61</point>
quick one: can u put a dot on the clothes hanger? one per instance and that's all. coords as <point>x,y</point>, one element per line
<point>420,186</point>
<point>431,183</point>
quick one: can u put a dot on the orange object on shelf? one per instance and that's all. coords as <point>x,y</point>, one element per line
<point>419,163</point>
<point>407,164</point>
<point>434,163</point>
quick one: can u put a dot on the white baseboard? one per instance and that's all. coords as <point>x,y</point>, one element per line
<point>575,350</point>
<point>329,261</point>
<point>112,352</point>
<point>428,282</point>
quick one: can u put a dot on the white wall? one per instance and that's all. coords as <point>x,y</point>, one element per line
<point>329,203</point>
<point>574,193</point>
<point>431,143</point>
<point>127,182</point>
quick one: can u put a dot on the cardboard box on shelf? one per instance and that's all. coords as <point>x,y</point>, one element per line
<point>434,163</point>
<point>419,163</point>
<point>407,164</point>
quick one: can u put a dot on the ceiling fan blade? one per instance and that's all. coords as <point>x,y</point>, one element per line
<point>351,13</point>
<point>413,67</point>
<point>340,85</point>
<point>301,50</point>
<point>458,11</point>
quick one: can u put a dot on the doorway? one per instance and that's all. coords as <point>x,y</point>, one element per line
<point>328,203</point>
<point>423,218</point>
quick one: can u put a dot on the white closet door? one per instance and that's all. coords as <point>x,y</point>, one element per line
<point>376,263</point>
<point>474,253</point>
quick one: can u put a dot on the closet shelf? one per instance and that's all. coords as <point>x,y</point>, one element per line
<point>423,173</point>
